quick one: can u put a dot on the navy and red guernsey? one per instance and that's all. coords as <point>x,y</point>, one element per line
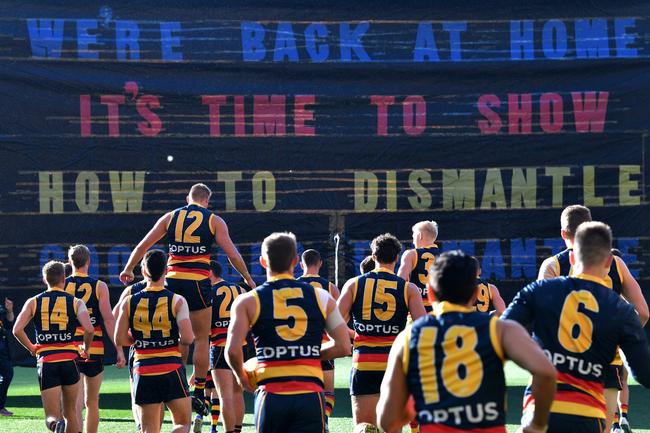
<point>55,323</point>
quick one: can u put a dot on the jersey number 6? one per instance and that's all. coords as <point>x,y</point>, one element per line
<point>576,329</point>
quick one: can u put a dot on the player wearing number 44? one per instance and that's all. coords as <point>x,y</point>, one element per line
<point>579,321</point>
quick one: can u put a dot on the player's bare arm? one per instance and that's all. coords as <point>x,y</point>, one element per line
<point>632,291</point>
<point>109,320</point>
<point>346,299</point>
<point>84,320</point>
<point>407,264</point>
<point>186,335</point>
<point>548,269</point>
<point>497,301</point>
<point>416,307</point>
<point>24,317</point>
<point>222,236</point>
<point>241,316</point>
<point>334,291</point>
<point>121,335</point>
<point>526,353</point>
<point>337,329</point>
<point>157,232</point>
<point>392,411</point>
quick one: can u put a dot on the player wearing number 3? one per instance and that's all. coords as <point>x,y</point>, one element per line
<point>451,362</point>
<point>379,303</point>
<point>156,321</point>
<point>579,321</point>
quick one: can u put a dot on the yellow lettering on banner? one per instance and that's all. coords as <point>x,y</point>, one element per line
<point>626,185</point>
<point>264,191</point>
<point>458,189</point>
<point>50,191</point>
<point>391,190</point>
<point>127,189</point>
<point>229,178</point>
<point>589,186</point>
<point>558,174</point>
<point>493,192</point>
<point>366,191</point>
<point>87,191</point>
<point>422,198</point>
<point>524,188</point>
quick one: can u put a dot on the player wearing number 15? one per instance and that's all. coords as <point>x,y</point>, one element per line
<point>451,362</point>
<point>287,319</point>
<point>156,321</point>
<point>417,261</point>
<point>56,315</point>
<point>579,322</point>
<point>379,303</point>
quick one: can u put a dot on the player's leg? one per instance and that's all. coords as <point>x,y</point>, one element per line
<point>364,388</point>
<point>181,410</point>
<point>238,404</point>
<point>215,409</point>
<point>201,326</point>
<point>364,409</point>
<point>51,398</point>
<point>224,384</point>
<point>328,381</point>
<point>150,418</point>
<point>624,401</point>
<point>70,390</point>
<point>92,385</point>
<point>613,384</point>
<point>307,413</point>
<point>79,402</point>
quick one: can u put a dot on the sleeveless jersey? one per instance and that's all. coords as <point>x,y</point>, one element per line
<point>152,321</point>
<point>55,323</point>
<point>223,296</point>
<point>572,321</point>
<point>136,287</point>
<point>190,236</point>
<point>87,289</point>
<point>379,312</point>
<point>320,283</point>
<point>454,370</point>
<point>483,297</point>
<point>425,257</point>
<point>287,331</point>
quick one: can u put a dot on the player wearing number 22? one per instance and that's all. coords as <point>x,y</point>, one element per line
<point>287,319</point>
<point>579,321</point>
<point>451,362</point>
<point>156,321</point>
<point>379,303</point>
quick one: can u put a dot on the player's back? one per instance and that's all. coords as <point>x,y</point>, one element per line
<point>287,333</point>
<point>224,294</point>
<point>316,281</point>
<point>190,236</point>
<point>425,257</point>
<point>483,296</point>
<point>55,323</point>
<point>455,371</point>
<point>613,280</point>
<point>86,288</point>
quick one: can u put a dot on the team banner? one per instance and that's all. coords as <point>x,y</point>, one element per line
<point>321,119</point>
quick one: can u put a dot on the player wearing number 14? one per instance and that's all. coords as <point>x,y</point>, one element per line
<point>579,322</point>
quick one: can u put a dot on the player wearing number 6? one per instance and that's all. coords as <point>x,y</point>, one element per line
<point>156,321</point>
<point>579,322</point>
<point>287,319</point>
<point>379,303</point>
<point>451,362</point>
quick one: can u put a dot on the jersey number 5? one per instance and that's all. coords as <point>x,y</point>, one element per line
<point>282,311</point>
<point>575,330</point>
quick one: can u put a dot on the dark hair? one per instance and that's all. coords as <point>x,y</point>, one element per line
<point>79,255</point>
<point>53,272</point>
<point>386,248</point>
<point>67,267</point>
<point>616,252</point>
<point>155,262</point>
<point>311,257</point>
<point>593,243</point>
<point>453,277</point>
<point>367,265</point>
<point>215,268</point>
<point>572,217</point>
<point>279,251</point>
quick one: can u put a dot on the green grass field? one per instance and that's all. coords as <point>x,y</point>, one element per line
<point>25,402</point>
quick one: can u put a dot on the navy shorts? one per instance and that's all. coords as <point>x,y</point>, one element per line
<point>365,382</point>
<point>297,413</point>
<point>53,374</point>
<point>160,388</point>
<point>614,377</point>
<point>218,357</point>
<point>90,368</point>
<point>561,423</point>
<point>196,293</point>
<point>327,364</point>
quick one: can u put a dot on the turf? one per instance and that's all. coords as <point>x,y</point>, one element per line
<point>24,401</point>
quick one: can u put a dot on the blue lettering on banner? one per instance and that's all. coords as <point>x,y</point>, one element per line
<point>85,39</point>
<point>46,37</point>
<point>169,43</point>
<point>351,41</point>
<point>492,265</point>
<point>285,44</point>
<point>523,256</point>
<point>521,40</point>
<point>554,39</point>
<point>317,52</point>
<point>252,38</point>
<point>591,38</point>
<point>126,40</point>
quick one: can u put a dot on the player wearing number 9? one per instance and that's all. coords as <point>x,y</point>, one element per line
<point>579,321</point>
<point>287,319</point>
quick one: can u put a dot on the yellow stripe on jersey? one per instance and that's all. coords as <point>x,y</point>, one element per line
<point>258,307</point>
<point>494,338</point>
<point>272,372</point>
<point>578,409</point>
<point>370,366</point>
<point>405,350</point>
<point>170,353</point>
<point>185,276</point>
<point>323,308</point>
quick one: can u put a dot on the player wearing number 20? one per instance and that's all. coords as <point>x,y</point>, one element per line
<point>287,319</point>
<point>451,362</point>
<point>379,303</point>
<point>579,322</point>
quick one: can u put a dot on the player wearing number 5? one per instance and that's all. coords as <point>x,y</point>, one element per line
<point>287,319</point>
<point>417,261</point>
<point>451,362</point>
<point>191,232</point>
<point>579,322</point>
<point>156,321</point>
<point>379,303</point>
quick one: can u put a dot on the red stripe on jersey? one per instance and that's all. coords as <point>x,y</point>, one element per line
<point>589,385</point>
<point>373,339</point>
<point>156,369</point>
<point>58,357</point>
<point>291,387</point>
<point>441,428</point>
<point>154,351</point>
<point>202,272</point>
<point>53,345</point>
<point>580,398</point>
<point>290,363</point>
<point>369,357</point>
<point>189,258</point>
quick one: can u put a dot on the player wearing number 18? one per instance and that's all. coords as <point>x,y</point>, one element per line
<point>579,322</point>
<point>156,321</point>
<point>287,319</point>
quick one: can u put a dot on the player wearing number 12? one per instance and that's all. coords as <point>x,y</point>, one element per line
<point>379,303</point>
<point>579,322</point>
<point>287,319</point>
<point>156,321</point>
<point>451,362</point>
<point>191,232</point>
